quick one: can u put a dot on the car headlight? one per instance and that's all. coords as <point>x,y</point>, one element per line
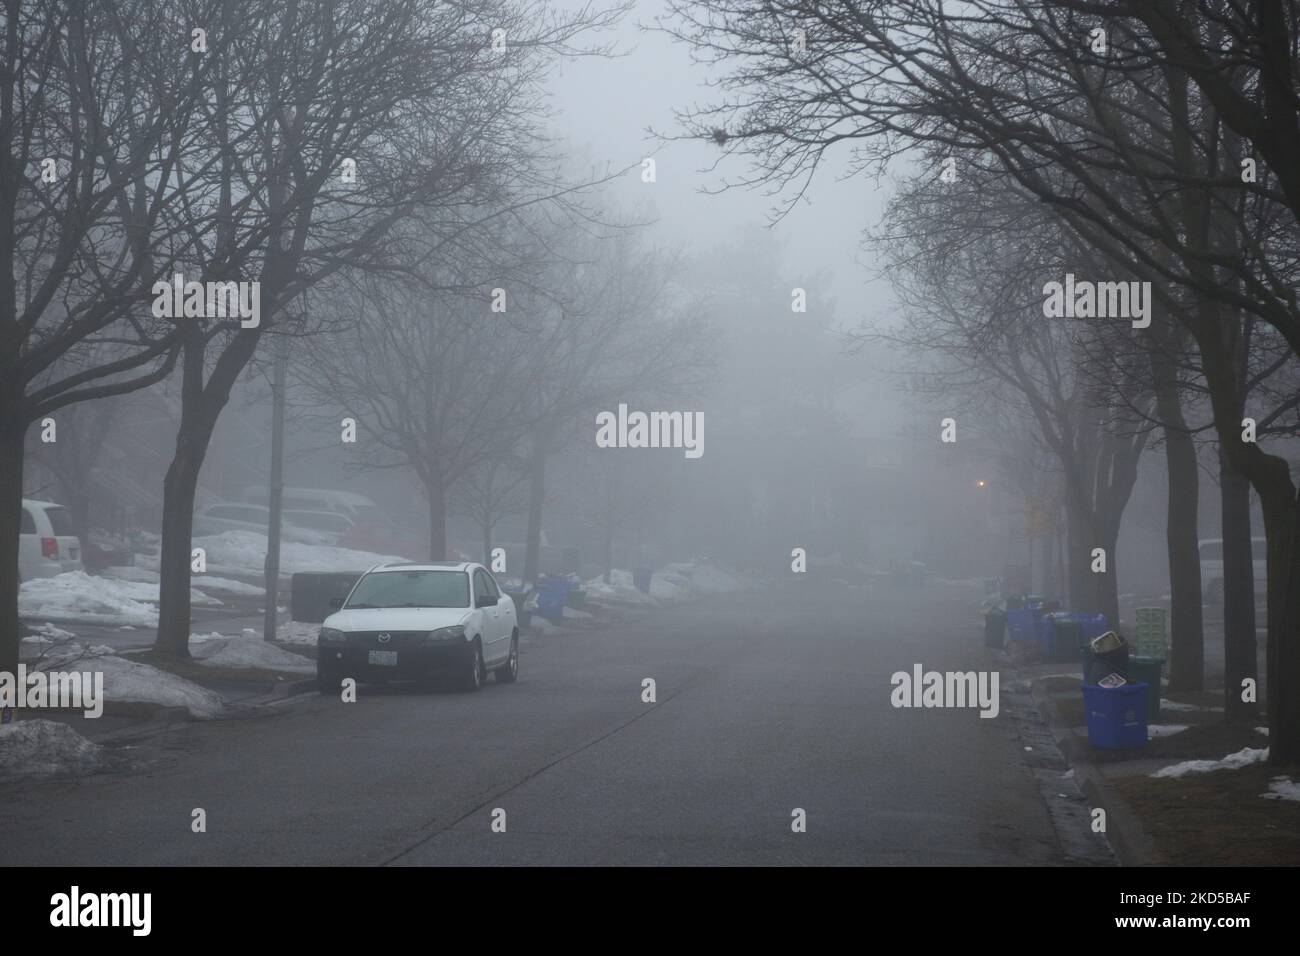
<point>332,635</point>
<point>454,633</point>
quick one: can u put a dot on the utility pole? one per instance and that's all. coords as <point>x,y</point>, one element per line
<point>277,487</point>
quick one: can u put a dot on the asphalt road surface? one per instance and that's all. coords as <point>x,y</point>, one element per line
<point>765,704</point>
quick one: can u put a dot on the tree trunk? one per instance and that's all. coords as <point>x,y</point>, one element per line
<point>437,498</point>
<point>13,427</point>
<point>536,498</point>
<point>1239,645</point>
<point>179,486</point>
<point>1283,672</point>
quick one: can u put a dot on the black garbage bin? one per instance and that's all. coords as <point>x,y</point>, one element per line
<point>995,627</point>
<point>1097,665</point>
<point>641,579</point>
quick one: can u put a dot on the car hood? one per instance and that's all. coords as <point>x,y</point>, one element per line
<point>396,618</point>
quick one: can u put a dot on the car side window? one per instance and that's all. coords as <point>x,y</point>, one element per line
<point>29,523</point>
<point>491,582</point>
<point>480,584</point>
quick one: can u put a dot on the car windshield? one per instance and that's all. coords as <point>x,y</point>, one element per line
<point>411,589</point>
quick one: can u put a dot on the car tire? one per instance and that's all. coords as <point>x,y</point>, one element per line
<point>508,672</point>
<point>474,675</point>
<point>328,682</point>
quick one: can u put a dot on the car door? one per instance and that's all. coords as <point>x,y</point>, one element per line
<point>496,647</point>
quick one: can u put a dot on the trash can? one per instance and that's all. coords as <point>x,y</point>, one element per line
<point>1117,716</point>
<point>995,628</point>
<point>522,615</point>
<point>641,579</point>
<point>1061,635</point>
<point>1022,618</point>
<point>1147,670</point>
<point>552,594</point>
<point>1111,658</point>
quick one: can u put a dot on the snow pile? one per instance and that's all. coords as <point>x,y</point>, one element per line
<point>1282,788</point>
<point>620,590</point>
<point>297,632</point>
<point>76,595</point>
<point>132,682</point>
<point>44,747</point>
<point>247,652</point>
<point>1165,730</point>
<point>1242,758</point>
<point>245,551</point>
<point>690,579</point>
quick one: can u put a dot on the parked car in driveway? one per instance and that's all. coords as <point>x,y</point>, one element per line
<point>47,545</point>
<point>237,516</point>
<point>415,621</point>
<point>333,527</point>
<point>1212,568</point>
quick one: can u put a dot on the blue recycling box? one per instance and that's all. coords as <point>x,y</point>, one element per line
<point>1117,716</point>
<point>552,593</point>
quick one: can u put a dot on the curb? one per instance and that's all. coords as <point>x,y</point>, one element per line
<point>1125,832</point>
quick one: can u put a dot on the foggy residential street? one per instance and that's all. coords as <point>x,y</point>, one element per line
<point>757,714</point>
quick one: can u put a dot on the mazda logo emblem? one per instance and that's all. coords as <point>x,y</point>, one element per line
<point>385,638</point>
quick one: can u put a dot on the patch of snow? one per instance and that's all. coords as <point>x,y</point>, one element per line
<point>227,585</point>
<point>52,633</point>
<point>130,681</point>
<point>76,595</point>
<point>1242,758</point>
<point>1282,788</point>
<point>1178,705</point>
<point>244,652</point>
<point>297,632</point>
<point>541,625</point>
<point>1165,730</point>
<point>1262,730</point>
<point>129,572</point>
<point>45,747</point>
<point>573,612</point>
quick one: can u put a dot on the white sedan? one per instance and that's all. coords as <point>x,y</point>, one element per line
<point>414,621</point>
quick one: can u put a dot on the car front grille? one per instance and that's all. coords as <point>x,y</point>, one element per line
<point>397,640</point>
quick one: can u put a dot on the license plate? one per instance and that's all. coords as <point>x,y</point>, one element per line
<point>384,658</point>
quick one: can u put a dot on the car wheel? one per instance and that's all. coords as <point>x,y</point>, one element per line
<point>328,682</point>
<point>508,673</point>
<point>474,675</point>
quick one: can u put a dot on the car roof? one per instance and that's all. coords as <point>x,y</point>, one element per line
<point>38,503</point>
<point>425,566</point>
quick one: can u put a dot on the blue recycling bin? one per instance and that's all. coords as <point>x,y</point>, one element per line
<point>1117,716</point>
<point>552,593</point>
<point>1022,621</point>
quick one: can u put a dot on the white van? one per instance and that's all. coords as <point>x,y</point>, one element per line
<point>1212,568</point>
<point>47,544</point>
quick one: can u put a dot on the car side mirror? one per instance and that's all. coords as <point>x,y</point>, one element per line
<point>487,600</point>
<point>336,602</point>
